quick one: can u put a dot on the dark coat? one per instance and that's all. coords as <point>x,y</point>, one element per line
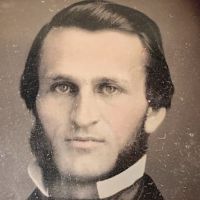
<point>143,189</point>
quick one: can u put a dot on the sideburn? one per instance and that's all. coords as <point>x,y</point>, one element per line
<point>132,153</point>
<point>42,149</point>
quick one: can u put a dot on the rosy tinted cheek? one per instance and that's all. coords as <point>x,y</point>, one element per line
<point>53,112</point>
<point>123,118</point>
<point>116,117</point>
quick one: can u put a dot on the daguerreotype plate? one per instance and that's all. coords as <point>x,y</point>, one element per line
<point>99,99</point>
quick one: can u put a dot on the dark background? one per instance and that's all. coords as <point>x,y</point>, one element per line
<point>173,159</point>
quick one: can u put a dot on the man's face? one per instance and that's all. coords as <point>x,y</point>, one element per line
<point>91,100</point>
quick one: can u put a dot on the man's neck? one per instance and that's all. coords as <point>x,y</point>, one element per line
<point>73,190</point>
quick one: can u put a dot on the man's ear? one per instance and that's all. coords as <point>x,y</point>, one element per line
<point>154,119</point>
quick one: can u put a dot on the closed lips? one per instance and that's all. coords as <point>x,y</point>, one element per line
<point>84,139</point>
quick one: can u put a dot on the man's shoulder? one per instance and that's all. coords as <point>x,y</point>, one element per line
<point>142,189</point>
<point>148,189</point>
<point>37,195</point>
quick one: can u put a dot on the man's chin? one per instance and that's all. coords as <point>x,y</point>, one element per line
<point>87,171</point>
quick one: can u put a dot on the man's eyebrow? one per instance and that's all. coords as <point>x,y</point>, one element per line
<point>97,80</point>
<point>67,78</point>
<point>110,80</point>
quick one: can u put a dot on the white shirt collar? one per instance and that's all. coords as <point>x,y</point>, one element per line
<point>35,173</point>
<point>105,188</point>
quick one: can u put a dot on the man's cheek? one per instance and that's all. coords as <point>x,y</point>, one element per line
<point>52,115</point>
<point>118,118</point>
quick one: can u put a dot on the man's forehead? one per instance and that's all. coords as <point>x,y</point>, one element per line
<point>102,40</point>
<point>72,47</point>
<point>84,34</point>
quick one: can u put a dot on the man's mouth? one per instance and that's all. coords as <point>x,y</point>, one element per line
<point>84,142</point>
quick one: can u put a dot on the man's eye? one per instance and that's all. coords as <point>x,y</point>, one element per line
<point>109,90</point>
<point>63,88</point>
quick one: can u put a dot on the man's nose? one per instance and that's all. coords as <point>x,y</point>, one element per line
<point>85,111</point>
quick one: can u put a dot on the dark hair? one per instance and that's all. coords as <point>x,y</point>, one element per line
<point>95,15</point>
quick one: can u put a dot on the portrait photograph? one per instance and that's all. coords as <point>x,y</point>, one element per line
<point>100,99</point>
